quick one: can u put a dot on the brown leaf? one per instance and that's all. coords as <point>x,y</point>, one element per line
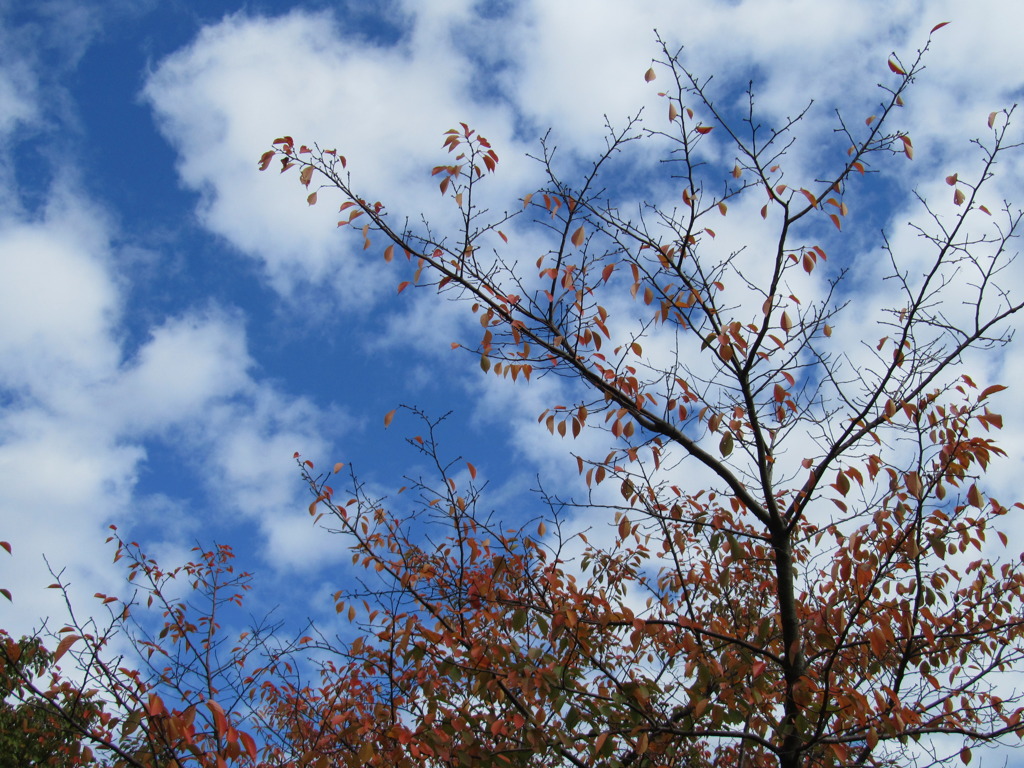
<point>650,74</point>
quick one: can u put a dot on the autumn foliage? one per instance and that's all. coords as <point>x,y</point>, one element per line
<point>836,590</point>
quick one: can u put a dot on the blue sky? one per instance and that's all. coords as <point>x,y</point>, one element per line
<point>174,324</point>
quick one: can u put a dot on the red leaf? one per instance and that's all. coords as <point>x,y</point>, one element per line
<point>6,545</point>
<point>938,27</point>
<point>896,67</point>
<point>703,129</point>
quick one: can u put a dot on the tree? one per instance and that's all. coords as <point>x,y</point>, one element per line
<point>832,595</point>
<point>837,591</point>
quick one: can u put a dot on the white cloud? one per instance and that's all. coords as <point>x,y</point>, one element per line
<point>80,415</point>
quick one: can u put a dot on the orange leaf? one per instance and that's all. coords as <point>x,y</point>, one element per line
<point>958,197</point>
<point>951,180</point>
<point>908,148</point>
<point>722,208</point>
<point>896,67</point>
<point>389,253</point>
<point>220,721</point>
<point>388,417</point>
<point>64,645</point>
<point>703,129</point>
<point>974,497</point>
<point>472,470</point>
<point>577,237</point>
<point>249,743</point>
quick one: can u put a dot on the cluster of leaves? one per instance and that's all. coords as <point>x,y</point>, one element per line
<point>177,699</point>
